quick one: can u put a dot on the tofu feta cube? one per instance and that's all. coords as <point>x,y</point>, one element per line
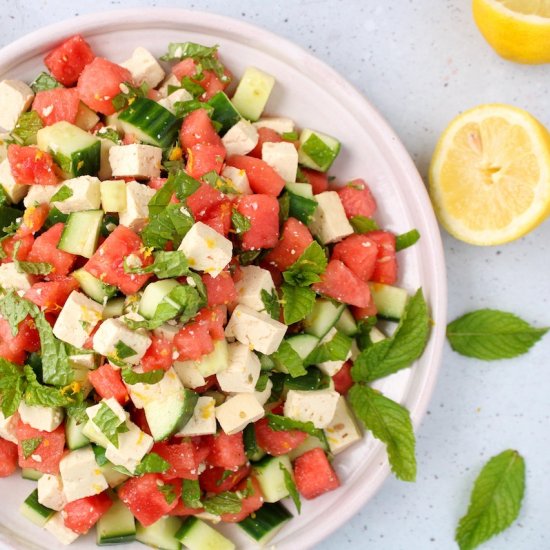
<point>203,421</point>
<point>10,278</point>
<point>143,395</point>
<point>46,419</point>
<point>189,374</point>
<point>238,178</point>
<point>13,190</point>
<point>144,68</point>
<point>15,97</point>
<point>342,431</point>
<point>243,371</point>
<point>282,157</point>
<point>281,125</point>
<point>81,475</point>
<point>329,221</point>
<point>206,249</point>
<point>86,195</point>
<point>7,427</point>
<point>330,368</point>
<point>112,333</point>
<point>249,287</point>
<point>263,396</point>
<point>175,97</point>
<point>56,526</point>
<point>77,319</point>
<point>240,139</point>
<point>4,138</point>
<point>50,492</point>
<point>136,214</point>
<point>40,194</point>
<point>239,411</point>
<point>256,329</point>
<point>133,445</point>
<point>317,406</point>
<point>135,160</point>
<point>172,80</point>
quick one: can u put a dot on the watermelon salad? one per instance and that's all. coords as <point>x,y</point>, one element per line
<point>183,291</point>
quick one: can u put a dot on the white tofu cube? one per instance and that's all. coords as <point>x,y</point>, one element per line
<point>330,368</point>
<point>46,419</point>
<point>243,371</point>
<point>77,319</point>
<point>136,214</point>
<point>4,137</point>
<point>239,411</point>
<point>240,139</point>
<point>281,125</point>
<point>282,157</point>
<point>172,80</point>
<point>316,406</point>
<point>113,404</point>
<point>7,427</point>
<point>249,287</point>
<point>15,97</point>
<point>256,329</point>
<point>56,526</point>
<point>133,445</point>
<point>135,160</point>
<point>142,395</point>
<point>40,194</point>
<point>83,361</point>
<point>167,331</point>
<point>144,68</point>
<point>342,430</point>
<point>112,333</point>
<point>50,492</point>
<point>10,278</point>
<point>203,421</point>
<point>238,179</point>
<point>86,195</point>
<point>189,374</point>
<point>81,475</point>
<point>175,97</point>
<point>13,190</point>
<point>329,221</point>
<point>263,396</point>
<point>206,249</point>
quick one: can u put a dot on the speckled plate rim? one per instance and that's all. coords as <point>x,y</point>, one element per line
<point>411,189</point>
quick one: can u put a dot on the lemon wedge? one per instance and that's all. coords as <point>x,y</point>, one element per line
<point>518,30</point>
<point>490,175</point>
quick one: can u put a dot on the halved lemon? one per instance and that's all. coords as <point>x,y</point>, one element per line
<point>490,175</point>
<point>518,30</point>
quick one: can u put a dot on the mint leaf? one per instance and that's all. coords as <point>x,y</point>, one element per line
<point>364,327</point>
<point>152,463</point>
<point>48,396</point>
<point>489,334</point>
<point>291,488</point>
<point>240,222</point>
<point>406,239</point>
<point>78,411</point>
<point>271,303</point>
<point>169,225</point>
<point>362,224</point>
<point>123,351</point>
<point>62,194</point>
<point>182,50</point>
<point>11,387</point>
<point>223,503</point>
<point>221,184</point>
<point>178,182</point>
<point>187,83</point>
<point>168,491</point>
<point>261,384</point>
<point>132,377</point>
<point>34,268</point>
<point>109,133</point>
<point>247,257</point>
<point>307,269</point>
<point>495,502</point>
<point>26,127</point>
<point>109,423</point>
<point>183,108</point>
<point>290,136</point>
<point>129,94</point>
<point>44,81</point>
<point>389,422</point>
<point>288,360</point>
<point>14,310</point>
<point>280,423</point>
<point>297,303</point>
<point>166,264</point>
<point>284,207</point>
<point>398,352</point>
<point>191,493</point>
<point>336,349</point>
<point>30,445</point>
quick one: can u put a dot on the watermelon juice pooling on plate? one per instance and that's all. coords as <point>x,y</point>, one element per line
<point>183,295</point>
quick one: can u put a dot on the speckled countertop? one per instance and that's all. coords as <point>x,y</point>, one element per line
<point>421,63</point>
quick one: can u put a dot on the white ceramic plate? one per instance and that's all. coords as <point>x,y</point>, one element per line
<point>315,96</point>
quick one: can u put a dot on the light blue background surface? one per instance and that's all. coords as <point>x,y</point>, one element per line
<point>421,63</point>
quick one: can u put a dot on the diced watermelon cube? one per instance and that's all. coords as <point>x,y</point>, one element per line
<point>15,348</point>
<point>209,81</point>
<point>218,217</point>
<point>56,105</point>
<point>263,213</point>
<point>29,165</point>
<point>202,200</point>
<point>107,382</point>
<point>217,480</point>
<point>294,240</point>
<point>193,341</point>
<point>198,128</point>
<point>203,158</point>
<point>68,60</point>
<point>34,218</point>
<point>220,290</point>
<point>158,355</point>
<point>385,270</point>
<point>44,249</point>
<point>8,244</point>
<point>314,475</point>
<point>359,253</point>
<point>51,295</point>
<point>49,451</point>
<point>8,458</point>
<point>262,178</point>
<point>249,504</point>
<point>226,451</point>
<point>214,318</point>
<point>182,510</point>
<point>265,135</point>
<point>181,457</point>
<point>277,442</point>
<point>342,379</point>
<point>357,199</point>
<point>317,180</point>
<point>82,514</point>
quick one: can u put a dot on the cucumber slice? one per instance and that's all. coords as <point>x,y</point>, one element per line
<point>113,308</point>
<point>34,511</point>
<point>303,344</point>
<point>265,523</point>
<point>390,301</point>
<point>86,119</point>
<point>77,152</point>
<point>376,335</point>
<point>7,216</point>
<point>216,361</point>
<point>74,434</point>
<point>252,93</point>
<point>300,189</point>
<point>116,526</point>
<point>310,443</point>
<point>251,448</point>
<point>346,324</point>
<point>93,287</point>
<point>161,534</point>
<point>224,111</point>
<point>81,233</point>
<point>153,295</point>
<point>301,208</point>
<point>313,380</point>
<point>271,477</point>
<point>197,535</point>
<point>113,195</point>
<point>31,474</point>
<point>324,316</point>
<point>150,122</point>
<point>113,477</point>
<point>317,150</point>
